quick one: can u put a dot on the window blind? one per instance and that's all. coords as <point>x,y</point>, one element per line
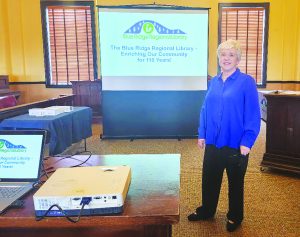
<point>70,44</point>
<point>246,24</point>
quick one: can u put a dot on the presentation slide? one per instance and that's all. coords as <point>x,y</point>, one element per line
<point>150,45</point>
<point>20,156</point>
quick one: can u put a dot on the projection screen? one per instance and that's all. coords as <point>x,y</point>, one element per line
<point>153,49</point>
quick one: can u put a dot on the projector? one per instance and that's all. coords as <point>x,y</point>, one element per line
<point>61,108</point>
<point>101,189</point>
<point>50,111</point>
<point>36,112</point>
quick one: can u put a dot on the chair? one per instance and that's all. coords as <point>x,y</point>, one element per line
<point>7,101</point>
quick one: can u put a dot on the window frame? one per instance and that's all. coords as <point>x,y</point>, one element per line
<point>266,7</point>
<point>46,42</point>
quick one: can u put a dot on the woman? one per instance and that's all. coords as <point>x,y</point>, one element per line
<point>229,126</point>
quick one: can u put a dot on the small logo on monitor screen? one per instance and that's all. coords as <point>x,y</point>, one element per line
<point>7,146</point>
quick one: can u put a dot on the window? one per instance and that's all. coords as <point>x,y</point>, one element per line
<point>247,23</point>
<point>69,42</point>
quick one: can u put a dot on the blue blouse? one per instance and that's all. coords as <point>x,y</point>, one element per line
<point>230,115</point>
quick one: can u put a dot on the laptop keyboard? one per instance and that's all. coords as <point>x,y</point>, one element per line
<point>8,192</point>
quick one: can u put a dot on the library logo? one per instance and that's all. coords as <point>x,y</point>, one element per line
<point>151,30</point>
<point>6,146</point>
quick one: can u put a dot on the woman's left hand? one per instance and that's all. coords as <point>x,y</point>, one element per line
<point>244,150</point>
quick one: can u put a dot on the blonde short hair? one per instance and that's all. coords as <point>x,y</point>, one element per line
<point>231,44</point>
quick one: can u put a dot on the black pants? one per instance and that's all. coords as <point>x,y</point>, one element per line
<point>215,161</point>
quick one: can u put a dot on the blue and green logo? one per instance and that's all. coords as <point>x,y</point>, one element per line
<point>147,29</point>
<point>6,146</point>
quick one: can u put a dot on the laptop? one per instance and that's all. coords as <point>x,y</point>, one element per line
<point>21,153</point>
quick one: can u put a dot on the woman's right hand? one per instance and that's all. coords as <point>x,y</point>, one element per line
<point>201,143</point>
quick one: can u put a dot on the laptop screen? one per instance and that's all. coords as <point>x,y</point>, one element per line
<point>21,153</point>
